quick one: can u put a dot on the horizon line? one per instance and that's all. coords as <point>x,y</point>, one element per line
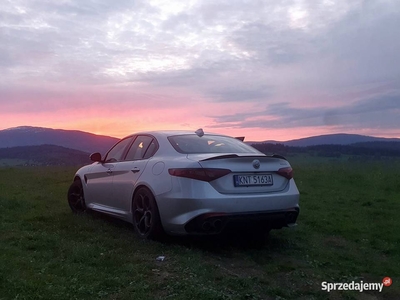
<point>295,139</point>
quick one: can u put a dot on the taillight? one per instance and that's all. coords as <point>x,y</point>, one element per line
<point>200,173</point>
<point>286,172</point>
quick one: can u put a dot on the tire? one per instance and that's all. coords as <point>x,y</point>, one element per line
<point>76,199</point>
<point>145,215</point>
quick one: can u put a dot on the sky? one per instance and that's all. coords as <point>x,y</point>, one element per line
<point>262,69</point>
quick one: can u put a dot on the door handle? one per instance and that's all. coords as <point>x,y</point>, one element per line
<point>135,170</point>
<point>109,172</point>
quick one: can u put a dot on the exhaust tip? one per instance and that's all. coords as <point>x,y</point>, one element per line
<point>217,224</point>
<point>291,218</point>
<point>206,226</point>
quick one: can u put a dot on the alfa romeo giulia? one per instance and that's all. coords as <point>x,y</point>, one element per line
<point>188,183</point>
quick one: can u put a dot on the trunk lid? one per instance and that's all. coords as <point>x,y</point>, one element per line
<point>250,173</point>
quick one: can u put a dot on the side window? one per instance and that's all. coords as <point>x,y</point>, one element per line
<point>139,147</point>
<point>151,150</point>
<point>116,153</point>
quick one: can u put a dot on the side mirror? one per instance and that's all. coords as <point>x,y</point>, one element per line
<point>95,156</point>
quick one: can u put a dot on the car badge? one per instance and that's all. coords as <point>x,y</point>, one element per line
<point>256,164</point>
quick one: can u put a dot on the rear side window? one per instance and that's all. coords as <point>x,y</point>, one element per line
<point>191,143</point>
<point>140,147</point>
<point>151,150</point>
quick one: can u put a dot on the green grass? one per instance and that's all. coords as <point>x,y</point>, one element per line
<point>348,230</point>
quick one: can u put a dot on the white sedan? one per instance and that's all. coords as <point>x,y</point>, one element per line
<point>181,182</point>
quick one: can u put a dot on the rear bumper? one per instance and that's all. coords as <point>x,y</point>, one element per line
<point>215,223</point>
<point>199,201</point>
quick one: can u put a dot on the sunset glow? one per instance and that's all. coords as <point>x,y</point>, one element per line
<point>264,70</point>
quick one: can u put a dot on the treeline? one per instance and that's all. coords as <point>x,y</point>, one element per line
<point>46,155</point>
<point>375,149</point>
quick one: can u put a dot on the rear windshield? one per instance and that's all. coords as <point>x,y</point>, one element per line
<point>192,143</point>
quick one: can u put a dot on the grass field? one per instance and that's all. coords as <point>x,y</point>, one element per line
<point>348,230</point>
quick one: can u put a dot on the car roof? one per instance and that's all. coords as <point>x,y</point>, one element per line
<point>167,133</point>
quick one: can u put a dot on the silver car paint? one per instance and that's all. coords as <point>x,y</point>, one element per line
<point>109,187</point>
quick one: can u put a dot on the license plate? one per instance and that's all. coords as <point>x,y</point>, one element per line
<point>253,180</point>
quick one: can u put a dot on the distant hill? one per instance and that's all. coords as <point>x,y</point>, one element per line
<point>88,142</point>
<point>73,139</point>
<point>330,139</point>
<point>372,149</point>
<point>43,155</point>
<point>395,146</point>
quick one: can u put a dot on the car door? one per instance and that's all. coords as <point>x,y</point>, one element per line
<point>127,173</point>
<point>99,189</point>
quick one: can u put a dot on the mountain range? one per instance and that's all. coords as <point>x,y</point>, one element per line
<point>89,142</point>
<point>73,139</point>
<point>41,146</point>
<point>330,139</point>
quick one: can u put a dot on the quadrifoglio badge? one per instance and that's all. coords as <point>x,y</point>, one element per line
<point>356,286</point>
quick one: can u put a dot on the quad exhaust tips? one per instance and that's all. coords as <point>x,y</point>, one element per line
<point>212,226</point>
<point>215,223</point>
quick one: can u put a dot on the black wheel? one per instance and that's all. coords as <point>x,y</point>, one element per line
<point>76,199</point>
<point>146,218</point>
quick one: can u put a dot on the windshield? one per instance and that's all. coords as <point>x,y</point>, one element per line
<point>191,143</point>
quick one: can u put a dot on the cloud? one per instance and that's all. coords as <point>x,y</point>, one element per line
<point>255,63</point>
<point>381,112</point>
<point>234,94</point>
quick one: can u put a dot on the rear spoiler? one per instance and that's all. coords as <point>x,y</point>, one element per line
<point>240,138</point>
<point>235,155</point>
